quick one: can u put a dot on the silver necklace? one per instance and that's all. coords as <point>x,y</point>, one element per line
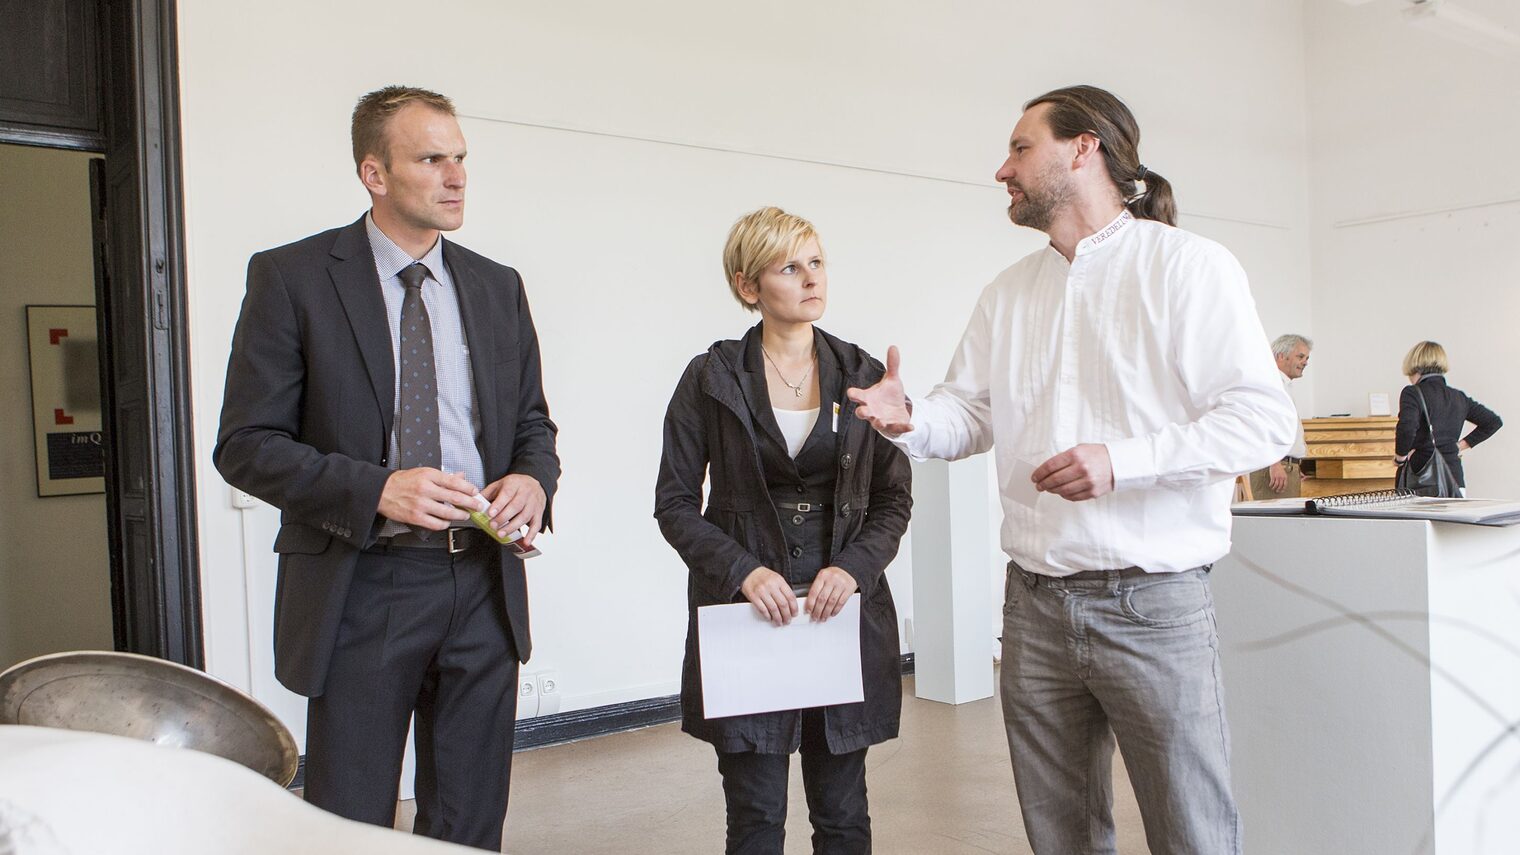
<point>795,387</point>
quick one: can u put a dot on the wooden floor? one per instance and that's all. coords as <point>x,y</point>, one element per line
<point>943,788</point>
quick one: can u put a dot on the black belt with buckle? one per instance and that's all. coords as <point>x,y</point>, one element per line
<point>455,540</point>
<point>1296,461</point>
<point>803,507</point>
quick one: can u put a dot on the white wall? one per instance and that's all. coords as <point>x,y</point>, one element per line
<point>1416,208</point>
<point>612,145</point>
<point>55,574</point>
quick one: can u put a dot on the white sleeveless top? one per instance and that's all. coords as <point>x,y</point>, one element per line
<point>795,426</point>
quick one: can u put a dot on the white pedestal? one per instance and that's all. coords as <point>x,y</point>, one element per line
<point>952,650</point>
<point>1372,683</point>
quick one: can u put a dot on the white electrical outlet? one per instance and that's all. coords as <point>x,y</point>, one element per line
<point>548,693</point>
<point>527,696</point>
<point>243,500</point>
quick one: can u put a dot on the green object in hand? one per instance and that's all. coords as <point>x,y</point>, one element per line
<point>483,522</point>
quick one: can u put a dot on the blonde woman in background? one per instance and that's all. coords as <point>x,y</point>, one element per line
<point>1426,365</point>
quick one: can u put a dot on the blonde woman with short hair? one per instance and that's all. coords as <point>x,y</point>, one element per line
<point>1426,365</point>
<point>804,499</point>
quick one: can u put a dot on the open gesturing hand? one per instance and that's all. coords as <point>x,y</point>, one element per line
<point>885,405</point>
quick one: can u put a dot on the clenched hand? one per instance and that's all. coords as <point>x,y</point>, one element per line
<point>1081,472</point>
<point>426,497</point>
<point>517,501</point>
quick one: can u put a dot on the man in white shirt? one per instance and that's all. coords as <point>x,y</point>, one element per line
<point>1282,479</point>
<point>1123,372</point>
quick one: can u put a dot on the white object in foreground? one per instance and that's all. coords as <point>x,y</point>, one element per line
<point>752,666</point>
<point>75,792</point>
<point>1370,682</point>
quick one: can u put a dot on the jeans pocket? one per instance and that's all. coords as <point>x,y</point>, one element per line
<point>1172,600</point>
<point>1013,588</point>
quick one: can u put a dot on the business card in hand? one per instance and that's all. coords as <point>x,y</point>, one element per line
<point>514,545</point>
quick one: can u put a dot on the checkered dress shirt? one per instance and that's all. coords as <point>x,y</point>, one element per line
<point>458,418</point>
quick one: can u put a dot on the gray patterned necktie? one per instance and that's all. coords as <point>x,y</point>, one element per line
<point>417,439</point>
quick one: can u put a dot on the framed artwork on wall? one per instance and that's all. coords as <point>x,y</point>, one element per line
<point>65,363</point>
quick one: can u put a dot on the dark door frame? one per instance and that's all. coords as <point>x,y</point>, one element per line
<point>155,565</point>
<point>140,279</point>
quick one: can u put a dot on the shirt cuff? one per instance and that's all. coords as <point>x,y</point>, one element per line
<point>1133,462</point>
<point>910,441</point>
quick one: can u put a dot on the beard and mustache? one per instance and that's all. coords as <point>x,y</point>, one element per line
<point>1051,190</point>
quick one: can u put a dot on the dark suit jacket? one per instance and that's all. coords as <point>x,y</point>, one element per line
<point>307,412</point>
<point>1449,409</point>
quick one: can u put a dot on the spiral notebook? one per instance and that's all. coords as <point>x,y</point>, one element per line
<point>1390,504</point>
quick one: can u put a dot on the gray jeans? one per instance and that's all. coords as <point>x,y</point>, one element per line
<point>1123,654</point>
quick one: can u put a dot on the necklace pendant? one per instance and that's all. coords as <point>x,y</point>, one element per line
<point>797,390</point>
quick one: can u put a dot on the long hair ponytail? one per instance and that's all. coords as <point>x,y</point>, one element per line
<point>1076,110</point>
<point>1155,201</point>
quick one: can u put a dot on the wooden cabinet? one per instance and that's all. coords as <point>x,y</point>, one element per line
<point>1349,455</point>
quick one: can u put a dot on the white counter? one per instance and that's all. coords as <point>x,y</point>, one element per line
<point>1372,683</point>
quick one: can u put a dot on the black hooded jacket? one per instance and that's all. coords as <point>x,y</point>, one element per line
<point>714,427</point>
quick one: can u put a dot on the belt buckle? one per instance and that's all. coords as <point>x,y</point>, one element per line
<point>456,547</point>
<point>804,507</point>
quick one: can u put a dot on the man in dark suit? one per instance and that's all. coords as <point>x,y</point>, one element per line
<point>380,377</point>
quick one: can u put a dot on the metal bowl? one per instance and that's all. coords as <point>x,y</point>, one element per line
<point>151,699</point>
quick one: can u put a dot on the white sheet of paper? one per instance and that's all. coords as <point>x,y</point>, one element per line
<point>751,666</point>
<point>1020,488</point>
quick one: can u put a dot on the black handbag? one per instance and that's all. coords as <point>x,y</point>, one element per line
<point>1435,478</point>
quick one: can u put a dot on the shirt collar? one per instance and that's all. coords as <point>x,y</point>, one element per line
<point>390,258</point>
<point>1105,235</point>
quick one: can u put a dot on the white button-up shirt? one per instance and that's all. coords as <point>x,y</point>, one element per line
<point>1148,342</point>
<point>1300,447</point>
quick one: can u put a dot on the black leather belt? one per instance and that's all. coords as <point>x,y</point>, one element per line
<point>1297,461</point>
<point>455,540</point>
<point>804,507</point>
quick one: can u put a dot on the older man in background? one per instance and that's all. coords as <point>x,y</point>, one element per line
<point>1284,478</point>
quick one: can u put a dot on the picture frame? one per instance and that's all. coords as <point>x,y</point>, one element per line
<point>63,352</point>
